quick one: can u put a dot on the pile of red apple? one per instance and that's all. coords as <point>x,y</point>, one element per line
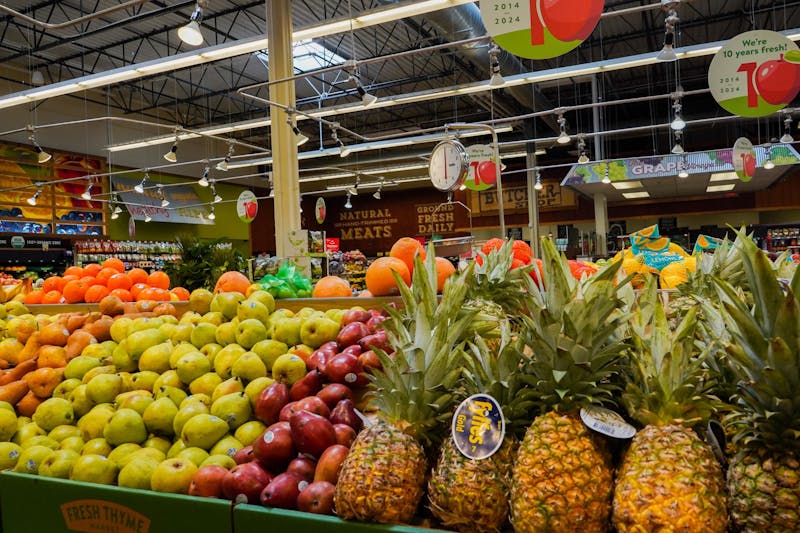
<point>295,462</point>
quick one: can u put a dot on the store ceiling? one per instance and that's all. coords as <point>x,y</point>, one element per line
<point>206,95</point>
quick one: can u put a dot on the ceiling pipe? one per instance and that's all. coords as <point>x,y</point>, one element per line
<point>72,22</point>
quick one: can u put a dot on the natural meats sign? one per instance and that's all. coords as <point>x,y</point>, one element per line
<point>365,224</point>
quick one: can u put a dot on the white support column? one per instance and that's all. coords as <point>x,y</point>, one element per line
<point>601,223</point>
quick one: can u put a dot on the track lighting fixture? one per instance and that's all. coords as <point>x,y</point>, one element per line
<point>667,53</point>
<point>677,123</point>
<point>148,218</point>
<point>462,187</point>
<point>217,198</point>
<point>538,185</point>
<point>42,156</point>
<point>140,186</point>
<point>377,194</point>
<point>366,98</point>
<point>190,33</point>
<point>787,130</point>
<point>164,201</point>
<point>344,151</point>
<point>353,191</point>
<point>768,163</point>
<point>348,204</point>
<point>117,210</point>
<point>677,148</point>
<point>172,155</point>
<point>563,137</point>
<point>203,181</point>
<point>606,175</point>
<point>683,170</point>
<point>583,158</point>
<point>212,215</point>
<point>87,194</point>
<point>33,199</point>
<point>496,79</point>
<point>114,215</point>
<point>223,165</point>
<point>300,139</point>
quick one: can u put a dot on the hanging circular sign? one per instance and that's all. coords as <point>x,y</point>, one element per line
<point>478,427</point>
<point>744,159</point>
<point>755,73</point>
<point>540,29</point>
<point>247,206</point>
<point>482,173</point>
<point>319,210</point>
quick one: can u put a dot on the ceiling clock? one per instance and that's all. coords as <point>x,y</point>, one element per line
<point>449,165</point>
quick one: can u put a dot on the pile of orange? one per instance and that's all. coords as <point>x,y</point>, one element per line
<point>95,281</point>
<point>381,282</point>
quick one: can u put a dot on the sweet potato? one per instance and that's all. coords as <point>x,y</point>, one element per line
<point>13,392</point>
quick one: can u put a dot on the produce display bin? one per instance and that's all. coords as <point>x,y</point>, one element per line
<point>36,504</point>
<point>255,518</point>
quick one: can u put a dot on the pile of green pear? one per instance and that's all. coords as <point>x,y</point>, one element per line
<point>165,396</point>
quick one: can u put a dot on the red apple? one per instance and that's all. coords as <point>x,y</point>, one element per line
<point>283,424</point>
<point>354,315</point>
<point>274,448</point>
<point>243,455</point>
<point>303,466</point>
<point>313,404</point>
<point>332,393</point>
<point>345,413</point>
<point>269,403</point>
<point>246,480</point>
<point>345,435</point>
<point>778,81</point>
<point>283,490</point>
<point>354,349</point>
<point>207,481</point>
<point>571,20</point>
<point>487,172</point>
<point>330,463</point>
<point>316,498</point>
<point>311,434</point>
<point>352,332</point>
<point>345,368</point>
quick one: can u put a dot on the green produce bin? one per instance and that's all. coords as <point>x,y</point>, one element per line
<point>252,518</point>
<point>37,504</point>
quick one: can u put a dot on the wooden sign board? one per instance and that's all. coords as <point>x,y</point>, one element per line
<point>515,199</point>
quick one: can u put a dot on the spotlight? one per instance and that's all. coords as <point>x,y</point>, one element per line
<point>677,147</point>
<point>606,178</point>
<point>37,78</point>
<point>344,151</point>
<point>42,157</point>
<point>787,130</point>
<point>114,215</point>
<point>32,200</point>
<point>203,181</point>
<point>164,201</point>
<point>347,204</point>
<point>538,185</point>
<point>683,171</point>
<point>377,194</point>
<point>87,194</point>
<point>190,33</point>
<point>583,158</point>
<point>353,191</point>
<point>212,215</point>
<point>223,165</point>
<point>563,137</point>
<point>667,53</point>
<point>300,138</point>
<point>496,79</point>
<point>768,163</point>
<point>217,198</point>
<point>147,218</point>
<point>140,186</point>
<point>677,123</point>
<point>117,210</point>
<point>366,98</point>
<point>172,155</point>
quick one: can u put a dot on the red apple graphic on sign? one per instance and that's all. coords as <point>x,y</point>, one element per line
<point>567,20</point>
<point>748,165</point>
<point>487,172</point>
<point>778,81</point>
<point>250,209</point>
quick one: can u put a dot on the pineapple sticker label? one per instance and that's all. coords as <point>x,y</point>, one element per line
<point>478,427</point>
<point>607,422</point>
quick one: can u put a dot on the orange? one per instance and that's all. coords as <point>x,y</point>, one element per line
<point>53,297</point>
<point>34,297</point>
<point>123,294</point>
<point>332,287</point>
<point>51,284</point>
<point>65,280</point>
<point>444,269</point>
<point>74,271</point>
<point>105,273</point>
<point>136,288</point>
<point>91,269</point>
<point>379,279</point>
<point>516,263</point>
<point>138,275</point>
<point>95,293</point>
<point>115,263</point>
<point>492,244</point>
<point>119,281</point>
<point>74,291</point>
<point>181,293</point>
<point>90,280</point>
<point>405,249</point>
<point>154,294</point>
<point>522,251</point>
<point>158,279</point>
<point>365,294</point>
<point>232,281</point>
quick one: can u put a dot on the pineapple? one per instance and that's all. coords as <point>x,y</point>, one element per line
<point>669,479</point>
<point>562,478</point>
<point>383,477</point>
<point>472,495</point>
<point>764,475</point>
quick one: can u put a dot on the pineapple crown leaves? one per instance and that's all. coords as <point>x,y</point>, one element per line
<point>575,338</point>
<point>668,381</point>
<point>415,388</point>
<point>725,262</point>
<point>764,355</point>
<point>494,280</point>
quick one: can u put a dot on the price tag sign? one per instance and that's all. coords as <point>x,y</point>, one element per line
<point>607,422</point>
<point>744,159</point>
<point>754,74</point>
<point>482,172</point>
<point>247,206</point>
<point>478,427</point>
<point>540,29</point>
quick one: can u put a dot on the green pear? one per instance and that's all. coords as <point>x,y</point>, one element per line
<point>156,358</point>
<point>210,350</point>
<point>167,379</point>
<point>144,380</point>
<point>138,400</point>
<point>176,448</point>
<point>143,323</point>
<point>255,387</point>
<point>194,454</point>
<point>53,412</point>
<point>63,431</point>
<point>173,393</point>
<point>226,303</point>
<point>248,367</point>
<point>137,472</point>
<point>127,381</point>
<point>191,318</point>
<point>122,359</point>
<point>99,446</point>
<point>191,366</point>
<point>224,461</point>
<point>58,464</point>
<point>79,365</point>
<point>96,371</point>
<point>317,330</point>
<point>159,443</point>
<point>264,298</point>
<point>169,319</point>
<point>173,476</point>
<point>167,328</point>
<point>72,443</point>
<point>306,312</point>
<point>214,317</point>
<point>64,388</point>
<point>31,458</point>
<point>181,333</point>
<point>152,453</point>
<point>8,424</point>
<point>121,452</point>
<point>119,329</point>
<point>203,430</point>
<point>104,388</point>
<point>253,309</point>
<point>9,455</point>
<point>287,330</point>
<point>269,350</point>
<point>248,432</point>
<point>227,445</point>
<point>158,416</point>
<point>205,399</point>
<point>249,332</point>
<point>92,423</point>
<point>93,468</point>
<point>226,333</point>
<point>138,341</point>
<point>179,351</point>
<point>335,315</point>
<point>41,440</point>
<point>289,368</point>
<point>225,358</point>
<point>7,406</point>
<point>99,350</point>
<point>233,408</point>
<point>79,398</point>
<point>186,413</point>
<point>203,333</point>
<point>27,431</point>
<point>205,384</point>
<point>126,425</point>
<point>228,386</point>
